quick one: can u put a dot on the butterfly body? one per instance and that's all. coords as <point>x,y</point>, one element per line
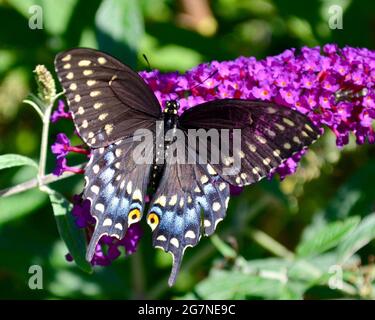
<point>110,103</point>
<point>169,119</point>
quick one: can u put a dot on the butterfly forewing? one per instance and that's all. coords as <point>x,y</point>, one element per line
<point>108,100</point>
<point>270,134</point>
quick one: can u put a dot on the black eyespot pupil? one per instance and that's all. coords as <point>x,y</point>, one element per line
<point>152,220</point>
<point>134,216</point>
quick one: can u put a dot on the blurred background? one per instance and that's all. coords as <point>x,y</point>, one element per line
<point>265,223</point>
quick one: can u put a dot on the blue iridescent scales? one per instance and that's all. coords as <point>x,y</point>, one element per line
<point>110,101</point>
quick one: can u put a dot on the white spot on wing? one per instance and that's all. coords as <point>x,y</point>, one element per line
<point>90,82</point>
<point>174,242</point>
<point>73,86</point>
<point>173,200</point>
<point>103,116</point>
<point>107,222</point>
<point>162,200</point>
<point>261,139</point>
<point>222,186</point>
<point>137,195</point>
<point>207,223</point>
<point>96,168</point>
<point>99,207</point>
<point>204,179</point>
<point>95,189</point>
<point>289,122</point>
<point>161,238</point>
<point>190,234</point>
<point>102,60</point>
<point>118,226</point>
<point>97,105</point>
<point>66,58</point>
<point>87,72</point>
<point>108,129</point>
<point>84,63</point>
<point>266,161</point>
<point>129,187</point>
<point>210,170</point>
<point>216,206</point>
<point>95,93</point>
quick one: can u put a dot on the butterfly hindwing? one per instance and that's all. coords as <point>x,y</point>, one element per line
<point>116,187</point>
<point>270,134</point>
<point>108,100</point>
<point>185,194</point>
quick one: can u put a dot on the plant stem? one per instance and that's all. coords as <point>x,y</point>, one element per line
<point>30,184</point>
<point>226,250</point>
<point>270,244</point>
<point>44,144</point>
<point>138,275</point>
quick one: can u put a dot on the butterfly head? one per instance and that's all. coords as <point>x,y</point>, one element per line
<point>171,107</point>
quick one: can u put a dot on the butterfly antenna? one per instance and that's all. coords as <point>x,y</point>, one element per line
<point>203,81</point>
<point>146,59</point>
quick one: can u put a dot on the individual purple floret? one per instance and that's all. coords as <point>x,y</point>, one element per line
<point>60,113</point>
<point>61,148</point>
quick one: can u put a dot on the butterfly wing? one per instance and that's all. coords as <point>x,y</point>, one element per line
<point>116,187</point>
<point>270,134</point>
<point>108,100</point>
<point>175,213</point>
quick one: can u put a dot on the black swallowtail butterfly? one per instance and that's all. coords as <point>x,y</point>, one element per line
<point>109,102</point>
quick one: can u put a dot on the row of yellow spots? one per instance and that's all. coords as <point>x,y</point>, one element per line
<point>108,128</point>
<point>81,63</point>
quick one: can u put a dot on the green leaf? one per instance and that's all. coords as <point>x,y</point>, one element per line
<point>326,238</point>
<point>19,205</point>
<point>119,28</point>
<point>355,196</point>
<point>357,239</point>
<point>15,160</point>
<point>73,237</point>
<point>236,285</point>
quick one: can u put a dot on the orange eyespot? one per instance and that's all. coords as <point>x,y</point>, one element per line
<point>134,216</point>
<point>153,220</point>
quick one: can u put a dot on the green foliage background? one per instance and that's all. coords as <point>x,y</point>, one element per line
<point>279,240</point>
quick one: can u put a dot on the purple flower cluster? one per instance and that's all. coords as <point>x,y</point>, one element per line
<point>309,81</point>
<point>107,249</point>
